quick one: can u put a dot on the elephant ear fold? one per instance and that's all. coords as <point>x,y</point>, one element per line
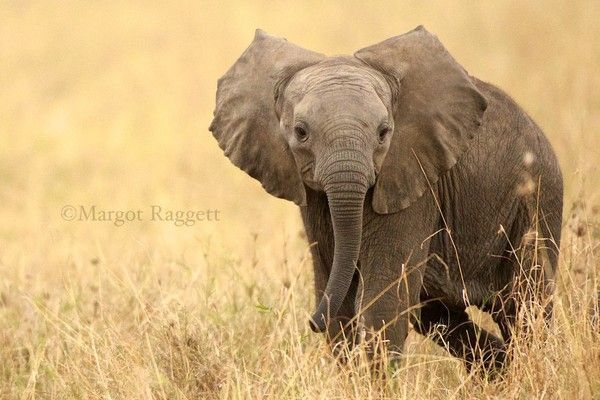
<point>245,121</point>
<point>436,109</point>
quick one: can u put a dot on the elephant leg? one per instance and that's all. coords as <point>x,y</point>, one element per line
<point>453,330</point>
<point>341,333</point>
<point>504,311</point>
<point>516,309</point>
<point>386,297</point>
<point>384,306</point>
<point>393,257</point>
<point>533,264</point>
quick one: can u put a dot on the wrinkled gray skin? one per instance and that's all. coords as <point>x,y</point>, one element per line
<point>417,184</point>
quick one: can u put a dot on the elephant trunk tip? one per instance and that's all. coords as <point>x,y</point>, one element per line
<point>317,323</point>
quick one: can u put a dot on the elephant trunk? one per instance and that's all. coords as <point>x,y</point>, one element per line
<point>346,181</point>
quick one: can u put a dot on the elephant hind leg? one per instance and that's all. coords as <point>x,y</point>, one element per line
<point>531,257</point>
<point>461,337</point>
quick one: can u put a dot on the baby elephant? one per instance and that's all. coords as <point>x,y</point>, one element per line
<point>422,189</point>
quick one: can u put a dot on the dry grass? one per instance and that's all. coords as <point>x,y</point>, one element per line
<point>108,104</point>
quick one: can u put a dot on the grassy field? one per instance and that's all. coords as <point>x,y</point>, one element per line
<point>107,104</point>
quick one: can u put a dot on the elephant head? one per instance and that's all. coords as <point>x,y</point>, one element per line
<point>395,116</point>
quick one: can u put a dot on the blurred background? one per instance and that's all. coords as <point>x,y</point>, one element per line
<point>108,104</point>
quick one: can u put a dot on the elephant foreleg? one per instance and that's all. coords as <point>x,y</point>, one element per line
<point>395,249</point>
<point>341,332</point>
<point>384,306</point>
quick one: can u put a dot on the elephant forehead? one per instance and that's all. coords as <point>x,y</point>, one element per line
<point>364,105</point>
<point>339,75</point>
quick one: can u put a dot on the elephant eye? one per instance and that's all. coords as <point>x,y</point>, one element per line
<point>383,131</point>
<point>301,133</point>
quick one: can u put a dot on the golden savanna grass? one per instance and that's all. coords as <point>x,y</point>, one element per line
<point>108,104</point>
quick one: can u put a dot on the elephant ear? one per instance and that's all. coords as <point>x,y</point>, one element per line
<point>245,121</point>
<point>436,109</point>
